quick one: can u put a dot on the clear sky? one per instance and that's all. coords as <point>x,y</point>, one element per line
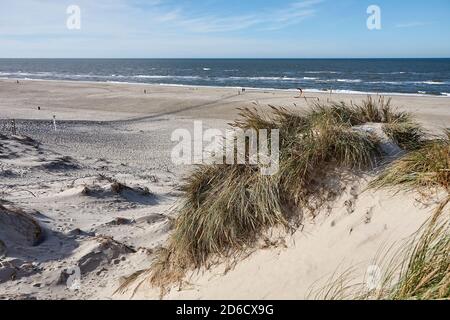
<point>224,28</point>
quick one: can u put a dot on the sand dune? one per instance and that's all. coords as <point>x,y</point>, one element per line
<point>101,190</point>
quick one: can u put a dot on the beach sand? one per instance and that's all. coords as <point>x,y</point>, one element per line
<point>102,188</point>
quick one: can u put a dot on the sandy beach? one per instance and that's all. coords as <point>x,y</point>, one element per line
<point>119,101</point>
<point>102,188</point>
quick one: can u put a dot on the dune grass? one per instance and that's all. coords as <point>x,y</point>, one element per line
<point>426,168</point>
<point>407,135</point>
<point>227,208</point>
<point>426,272</point>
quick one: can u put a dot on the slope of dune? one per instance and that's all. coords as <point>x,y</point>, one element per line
<point>102,190</point>
<point>351,234</point>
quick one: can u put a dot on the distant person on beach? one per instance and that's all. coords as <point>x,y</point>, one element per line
<point>17,81</point>
<point>39,108</point>
<point>145,91</point>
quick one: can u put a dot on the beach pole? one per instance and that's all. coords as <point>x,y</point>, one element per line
<point>54,122</point>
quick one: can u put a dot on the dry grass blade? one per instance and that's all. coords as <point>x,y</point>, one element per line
<point>427,167</point>
<point>408,135</point>
<point>426,275</point>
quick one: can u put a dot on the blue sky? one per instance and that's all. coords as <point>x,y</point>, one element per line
<point>224,29</point>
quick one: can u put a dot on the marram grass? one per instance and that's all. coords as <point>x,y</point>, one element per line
<point>227,208</point>
<point>426,168</point>
<point>425,274</point>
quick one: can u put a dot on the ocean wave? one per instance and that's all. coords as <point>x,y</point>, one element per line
<point>322,72</point>
<point>55,75</point>
<point>381,93</point>
<point>141,76</point>
<point>429,85</point>
<point>443,95</point>
<point>386,73</point>
<point>408,82</point>
<point>340,80</point>
<point>261,78</point>
<point>285,78</point>
<point>395,83</point>
<point>433,82</point>
<point>27,74</point>
<point>349,80</point>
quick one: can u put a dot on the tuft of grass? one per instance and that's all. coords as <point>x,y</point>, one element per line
<point>369,111</point>
<point>427,167</point>
<point>322,149</point>
<point>407,135</point>
<point>380,111</point>
<point>227,208</point>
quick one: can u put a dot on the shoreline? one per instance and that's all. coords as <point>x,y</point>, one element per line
<point>103,102</point>
<point>337,91</point>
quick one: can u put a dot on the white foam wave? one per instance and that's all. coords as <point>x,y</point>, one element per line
<point>349,80</point>
<point>433,82</point>
<point>321,72</point>
<point>165,77</point>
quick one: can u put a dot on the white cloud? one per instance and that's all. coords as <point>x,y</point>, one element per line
<point>292,14</point>
<point>412,24</point>
<point>155,28</point>
<point>47,17</point>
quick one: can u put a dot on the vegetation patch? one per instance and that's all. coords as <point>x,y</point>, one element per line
<point>226,209</point>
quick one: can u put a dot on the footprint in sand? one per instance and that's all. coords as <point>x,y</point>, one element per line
<point>368,215</point>
<point>351,203</point>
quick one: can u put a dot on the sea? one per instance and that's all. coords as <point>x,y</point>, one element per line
<point>391,76</point>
